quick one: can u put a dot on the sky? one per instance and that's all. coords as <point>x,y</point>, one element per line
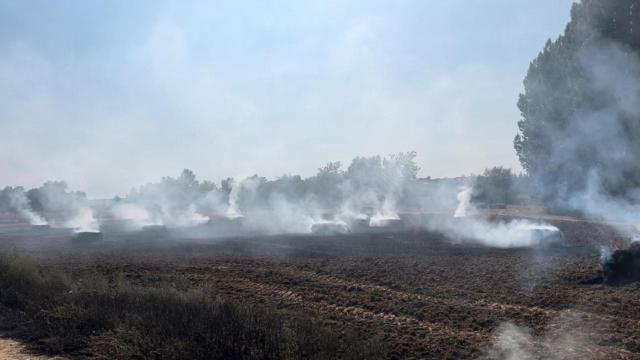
<point>108,95</point>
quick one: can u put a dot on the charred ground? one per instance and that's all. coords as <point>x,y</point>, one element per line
<point>415,292</point>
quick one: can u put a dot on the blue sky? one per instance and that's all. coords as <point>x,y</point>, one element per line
<point>107,95</point>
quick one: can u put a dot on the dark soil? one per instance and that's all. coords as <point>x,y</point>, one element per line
<point>422,296</point>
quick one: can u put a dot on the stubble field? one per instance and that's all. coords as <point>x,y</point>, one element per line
<point>416,293</point>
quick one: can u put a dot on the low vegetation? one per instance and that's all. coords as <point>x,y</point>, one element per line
<point>93,318</point>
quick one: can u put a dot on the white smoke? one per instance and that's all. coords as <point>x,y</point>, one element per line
<point>514,233</point>
<point>464,202</point>
<point>82,221</point>
<point>20,204</point>
<point>567,336</point>
<point>232,210</point>
<point>136,214</point>
<point>63,209</point>
<point>186,217</point>
<point>173,202</point>
<point>503,234</point>
<point>622,213</point>
<point>513,343</point>
<point>280,216</point>
<point>605,254</point>
<point>372,193</point>
<point>371,189</point>
<point>383,218</point>
<point>593,153</point>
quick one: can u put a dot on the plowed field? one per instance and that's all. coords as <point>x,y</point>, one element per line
<point>416,292</point>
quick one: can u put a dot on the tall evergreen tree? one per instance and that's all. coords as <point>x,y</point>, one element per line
<point>580,126</point>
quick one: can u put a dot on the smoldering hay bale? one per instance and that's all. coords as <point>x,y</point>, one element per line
<point>622,266</point>
<point>501,234</point>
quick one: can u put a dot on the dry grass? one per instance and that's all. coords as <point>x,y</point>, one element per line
<point>92,318</point>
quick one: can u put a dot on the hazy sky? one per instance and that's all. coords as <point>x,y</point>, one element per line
<point>112,94</point>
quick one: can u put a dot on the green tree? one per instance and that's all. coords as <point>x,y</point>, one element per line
<point>580,106</point>
<point>494,186</point>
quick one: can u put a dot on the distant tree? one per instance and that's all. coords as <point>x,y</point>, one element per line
<point>6,195</point>
<point>521,189</point>
<point>226,185</point>
<point>253,193</point>
<point>376,172</point>
<point>52,196</point>
<point>494,186</point>
<point>580,106</point>
<point>402,164</point>
<point>207,186</point>
<point>325,187</point>
<point>330,169</point>
<point>365,172</point>
<point>290,187</point>
<point>188,179</point>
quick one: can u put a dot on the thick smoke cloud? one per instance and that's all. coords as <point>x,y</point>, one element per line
<point>14,200</point>
<point>596,141</point>
<point>611,190</point>
<point>62,208</point>
<point>569,335</point>
<point>467,226</point>
<point>581,116</point>
<point>50,204</point>
<point>372,188</point>
<point>594,149</point>
<point>178,202</point>
<point>372,194</point>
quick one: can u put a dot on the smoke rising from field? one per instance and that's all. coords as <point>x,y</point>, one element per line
<point>464,227</point>
<point>567,336</point>
<point>591,157</point>
<point>232,210</point>
<point>464,202</point>
<point>514,233</point>
<point>613,72</point>
<point>372,188</point>
<point>50,204</point>
<point>138,215</point>
<point>18,202</point>
<point>372,194</point>
<point>62,208</point>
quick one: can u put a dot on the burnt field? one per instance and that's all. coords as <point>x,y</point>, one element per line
<point>415,293</point>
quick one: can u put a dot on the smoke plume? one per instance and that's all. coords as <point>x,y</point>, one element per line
<point>372,194</point>
<point>62,208</point>
<point>18,203</point>
<point>581,113</point>
<point>466,226</point>
<point>567,336</point>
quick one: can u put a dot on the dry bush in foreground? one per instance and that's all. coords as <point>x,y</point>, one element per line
<point>120,321</point>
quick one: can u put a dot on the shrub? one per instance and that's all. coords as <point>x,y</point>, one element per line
<point>129,322</point>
